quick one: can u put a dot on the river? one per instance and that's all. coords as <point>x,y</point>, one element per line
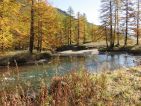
<point>59,66</point>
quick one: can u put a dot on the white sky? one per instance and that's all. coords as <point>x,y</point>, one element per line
<point>90,7</point>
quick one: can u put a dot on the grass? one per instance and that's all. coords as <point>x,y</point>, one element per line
<point>130,48</point>
<point>119,88</point>
<point>133,49</point>
<point>80,88</point>
<point>22,58</point>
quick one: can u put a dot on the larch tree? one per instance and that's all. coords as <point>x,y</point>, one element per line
<point>40,9</point>
<point>50,28</point>
<point>138,21</point>
<point>65,30</point>
<point>81,28</point>
<point>8,16</point>
<point>39,6</point>
<point>127,17</point>
<point>117,4</point>
<point>107,20</point>
<point>31,40</point>
<point>126,21</point>
<point>84,28</point>
<point>70,13</point>
<point>20,33</point>
<point>78,28</point>
<point>111,25</point>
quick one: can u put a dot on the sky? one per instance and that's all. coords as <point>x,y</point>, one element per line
<point>90,7</point>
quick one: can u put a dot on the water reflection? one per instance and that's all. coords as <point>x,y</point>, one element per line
<point>63,65</point>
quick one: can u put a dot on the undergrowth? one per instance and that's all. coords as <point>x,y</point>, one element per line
<point>80,88</point>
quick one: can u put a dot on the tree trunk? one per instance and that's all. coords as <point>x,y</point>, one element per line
<point>92,33</point>
<point>138,14</point>
<point>70,31</point>
<point>78,36</point>
<point>115,26</point>
<point>111,26</point>
<point>118,25</point>
<point>31,42</point>
<point>41,36</point>
<point>126,31</point>
<point>38,42</point>
<point>84,33</point>
<point>106,37</point>
<point>2,38</point>
<point>2,44</point>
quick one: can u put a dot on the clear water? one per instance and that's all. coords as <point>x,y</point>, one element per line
<point>63,65</point>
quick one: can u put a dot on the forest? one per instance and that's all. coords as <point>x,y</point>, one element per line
<point>38,25</point>
<point>55,57</point>
<point>47,27</point>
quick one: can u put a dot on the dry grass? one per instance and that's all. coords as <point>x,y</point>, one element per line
<point>118,88</point>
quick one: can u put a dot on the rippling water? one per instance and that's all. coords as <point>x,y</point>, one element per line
<point>63,65</point>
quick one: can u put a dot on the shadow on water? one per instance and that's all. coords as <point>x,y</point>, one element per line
<point>59,66</point>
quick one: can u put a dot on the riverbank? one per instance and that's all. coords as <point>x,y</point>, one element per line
<point>30,59</point>
<point>135,50</point>
<point>23,58</point>
<point>77,53</point>
<point>117,88</point>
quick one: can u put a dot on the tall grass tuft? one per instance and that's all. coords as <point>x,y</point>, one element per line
<point>79,88</point>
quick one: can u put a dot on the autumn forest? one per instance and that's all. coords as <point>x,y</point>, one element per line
<point>50,56</point>
<point>38,25</point>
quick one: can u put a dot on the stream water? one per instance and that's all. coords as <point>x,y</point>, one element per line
<point>63,65</point>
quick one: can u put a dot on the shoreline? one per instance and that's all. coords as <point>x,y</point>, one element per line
<point>134,50</point>
<point>23,59</point>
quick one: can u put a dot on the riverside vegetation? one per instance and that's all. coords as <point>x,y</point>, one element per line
<point>79,88</point>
